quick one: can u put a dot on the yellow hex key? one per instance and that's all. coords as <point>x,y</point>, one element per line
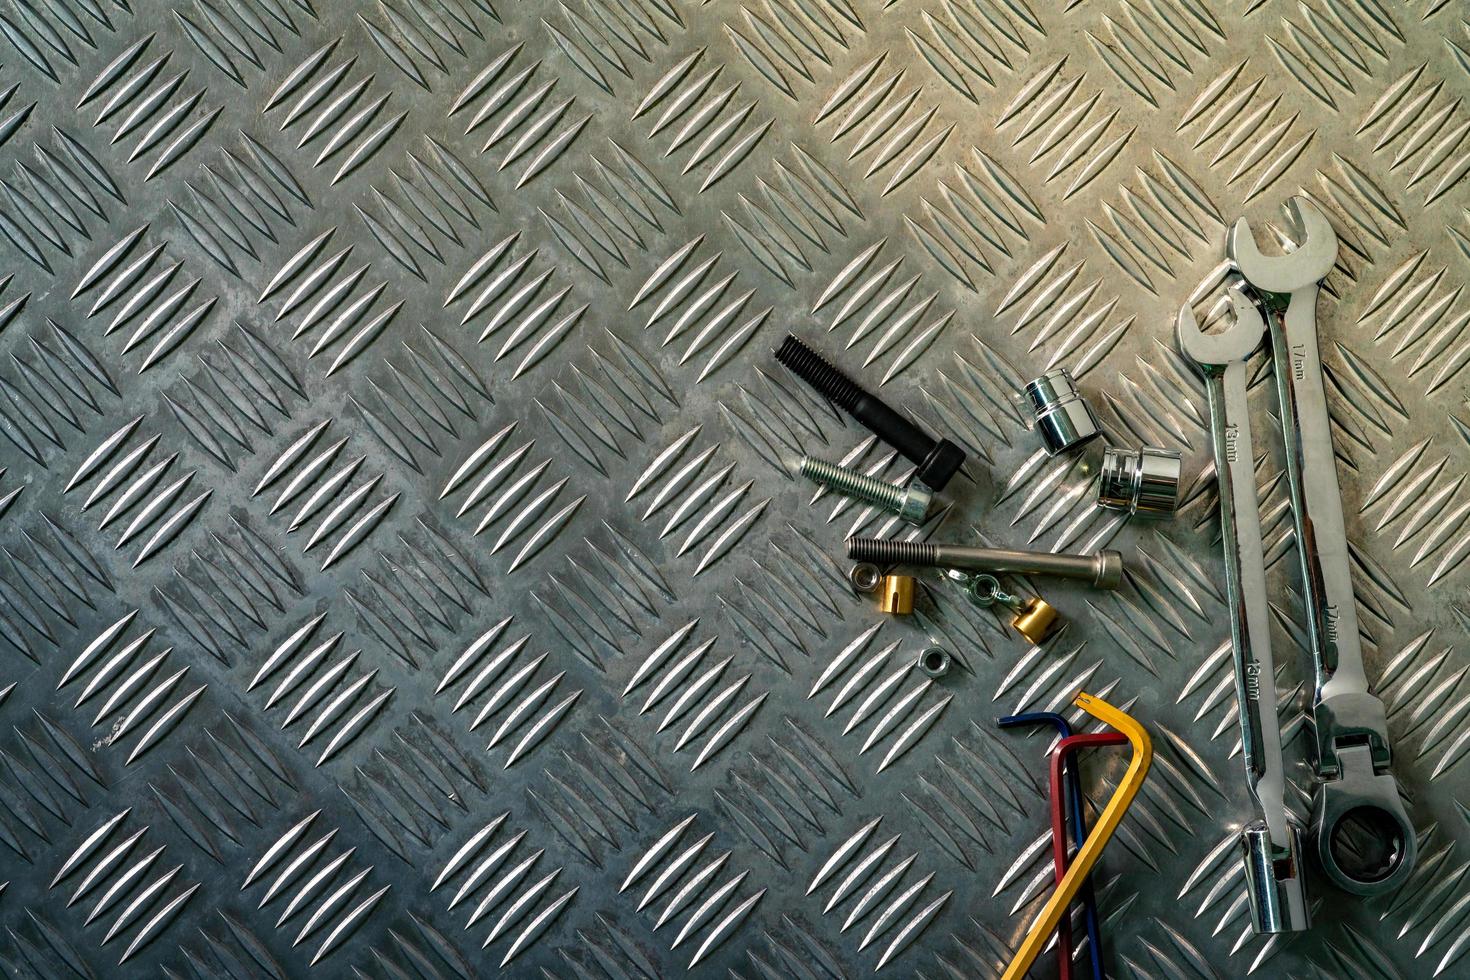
<point>1102,831</point>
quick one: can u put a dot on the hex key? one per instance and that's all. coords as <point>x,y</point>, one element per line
<point>1078,821</point>
<point>1051,914</point>
<point>1064,760</point>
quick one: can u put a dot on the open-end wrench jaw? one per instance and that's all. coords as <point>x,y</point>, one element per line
<point>1235,344</point>
<point>1312,260</point>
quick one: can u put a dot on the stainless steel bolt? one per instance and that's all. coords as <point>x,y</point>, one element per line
<point>1104,569</point>
<point>910,503</point>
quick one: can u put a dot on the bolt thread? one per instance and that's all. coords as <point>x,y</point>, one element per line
<point>852,483</point>
<point>813,368</point>
<point>892,552</point>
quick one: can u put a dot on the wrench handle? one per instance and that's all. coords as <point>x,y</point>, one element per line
<point>1316,501</point>
<point>1245,582</point>
<point>1351,726</point>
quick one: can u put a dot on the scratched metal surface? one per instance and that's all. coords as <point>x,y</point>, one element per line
<point>400,576</point>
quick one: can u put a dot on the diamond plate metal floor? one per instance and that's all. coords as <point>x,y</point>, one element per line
<point>402,574</point>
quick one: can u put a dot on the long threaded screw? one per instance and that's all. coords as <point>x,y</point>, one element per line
<point>936,460</point>
<point>910,503</point>
<point>1104,569</point>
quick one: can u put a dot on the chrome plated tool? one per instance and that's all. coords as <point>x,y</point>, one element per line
<point>1356,787</point>
<point>1143,482</point>
<point>1063,417</point>
<point>1270,843</point>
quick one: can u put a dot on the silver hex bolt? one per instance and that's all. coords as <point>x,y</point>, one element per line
<point>910,503</point>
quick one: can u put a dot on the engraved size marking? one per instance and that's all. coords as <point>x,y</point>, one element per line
<point>1232,437</point>
<point>1298,361</point>
<point>1330,619</point>
<point>1253,680</point>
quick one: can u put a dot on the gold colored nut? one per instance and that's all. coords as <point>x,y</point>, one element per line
<point>896,595</point>
<point>1037,620</point>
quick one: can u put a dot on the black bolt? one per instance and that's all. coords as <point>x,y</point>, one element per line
<point>937,461</point>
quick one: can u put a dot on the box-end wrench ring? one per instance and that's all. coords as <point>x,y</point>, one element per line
<point>1353,753</point>
<point>1270,844</point>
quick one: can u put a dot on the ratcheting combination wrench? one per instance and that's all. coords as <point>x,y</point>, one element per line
<point>1353,754</point>
<point>1270,843</point>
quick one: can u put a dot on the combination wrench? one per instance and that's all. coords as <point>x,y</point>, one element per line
<point>1355,785</point>
<point>1270,844</point>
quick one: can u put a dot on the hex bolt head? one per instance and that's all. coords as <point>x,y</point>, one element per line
<point>942,463</point>
<point>914,505</point>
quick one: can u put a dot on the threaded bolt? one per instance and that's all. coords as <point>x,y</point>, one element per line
<point>1104,569</point>
<point>813,368</point>
<point>935,460</point>
<point>881,551</point>
<point>911,503</point>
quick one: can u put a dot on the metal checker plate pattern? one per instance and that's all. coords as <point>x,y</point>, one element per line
<point>401,577</point>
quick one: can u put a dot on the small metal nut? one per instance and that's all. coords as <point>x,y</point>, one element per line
<point>896,595</point>
<point>915,503</point>
<point>1063,416</point>
<point>934,661</point>
<point>864,577</point>
<point>984,589</point>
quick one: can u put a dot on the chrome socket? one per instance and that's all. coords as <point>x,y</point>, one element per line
<point>1274,880</point>
<point>1063,416</point>
<point>1144,481</point>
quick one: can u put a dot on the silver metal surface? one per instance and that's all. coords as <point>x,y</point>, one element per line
<point>401,574</point>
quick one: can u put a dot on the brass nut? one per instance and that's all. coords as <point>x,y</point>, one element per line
<point>1036,620</point>
<point>896,595</point>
